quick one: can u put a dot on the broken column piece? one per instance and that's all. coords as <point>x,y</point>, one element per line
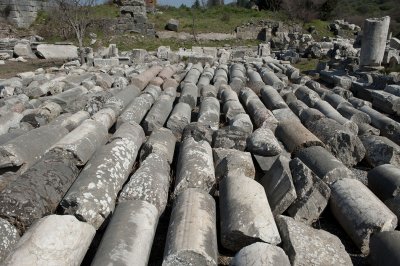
<point>189,94</point>
<point>209,112</point>
<point>145,77</point>
<point>9,238</point>
<point>180,117</point>
<point>359,211</point>
<point>263,142</point>
<point>230,138</point>
<point>130,232</point>
<point>385,248</point>
<point>246,217</point>
<point>162,141</point>
<point>53,240</point>
<point>381,150</point>
<point>384,181</point>
<point>230,161</point>
<point>259,254</point>
<point>192,233</point>
<point>158,114</point>
<point>271,98</point>
<point>136,110</point>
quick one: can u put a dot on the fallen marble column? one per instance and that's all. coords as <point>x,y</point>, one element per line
<point>161,141</point>
<point>209,91</point>
<point>66,97</point>
<point>106,116</point>
<point>53,240</point>
<point>9,120</point>
<point>209,112</point>
<point>130,232</point>
<point>221,76</point>
<point>305,245</point>
<point>206,77</point>
<point>194,74</point>
<point>393,89</point>
<point>384,249</point>
<point>360,212</point>
<point>195,167</point>
<point>336,78</point>
<point>255,81</point>
<point>9,238</point>
<point>380,150</point>
<point>246,217</point>
<point>230,138</point>
<point>92,196</point>
<point>335,100</point>
<point>168,71</point>
<point>20,153</point>
<point>367,130</point>
<point>198,132</point>
<point>261,115</point>
<point>73,121</point>
<point>149,183</point>
<point>374,38</point>
<point>296,137</point>
<point>192,233</point>
<point>145,77</point>
<point>263,142</point>
<point>261,254</point>
<point>231,109</point>
<point>307,96</point>
<point>189,94</point>
<point>83,141</point>
<point>271,79</point>
<point>278,185</point>
<point>179,119</point>
<point>297,107</point>
<point>136,110</point>
<point>324,164</point>
<point>154,91</point>
<point>385,102</point>
<point>285,114</point>
<point>158,114</point>
<point>353,114</point>
<point>226,94</point>
<point>246,95</point>
<point>43,115</point>
<point>122,99</point>
<point>312,193</point>
<point>271,98</point>
<point>230,161</point>
<point>388,127</point>
<point>384,181</point>
<point>242,122</point>
<point>342,143</point>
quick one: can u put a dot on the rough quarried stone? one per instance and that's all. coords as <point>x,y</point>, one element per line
<point>179,119</point>
<point>209,112</point>
<point>22,152</point>
<point>242,122</point>
<point>272,99</point>
<point>92,196</point>
<point>342,143</point>
<point>129,235</point>
<point>192,233</point>
<point>229,138</point>
<point>312,193</point>
<point>149,183</point>
<point>374,38</point>
<point>158,114</point>
<point>83,140</point>
<point>195,167</point>
<point>278,185</point>
<point>360,212</point>
<point>53,240</point>
<point>308,246</point>
<point>246,217</point>
<point>136,110</point>
<point>9,237</point>
<point>263,142</point>
<point>324,164</point>
<point>261,254</point>
<point>380,150</point>
<point>230,161</point>
<point>295,136</point>
<point>162,141</point>
<point>385,249</point>
<point>384,181</point>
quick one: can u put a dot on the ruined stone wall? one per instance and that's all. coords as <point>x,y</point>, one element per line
<point>22,13</point>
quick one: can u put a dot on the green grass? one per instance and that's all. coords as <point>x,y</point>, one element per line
<point>321,27</point>
<point>307,65</point>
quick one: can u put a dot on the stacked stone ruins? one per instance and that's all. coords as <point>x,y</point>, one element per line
<point>203,156</point>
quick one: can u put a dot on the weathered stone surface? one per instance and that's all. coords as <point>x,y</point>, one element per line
<point>9,237</point>
<point>285,114</point>
<point>229,138</point>
<point>189,94</point>
<point>195,167</point>
<point>263,142</point>
<point>312,193</point>
<point>192,233</point>
<point>381,150</point>
<point>92,196</point>
<point>209,91</point>
<point>261,254</point>
<point>83,140</point>
<point>198,132</point>
<point>136,110</point>
<point>129,235</point>
<point>295,136</point>
<point>53,51</point>
<point>271,79</point>
<point>209,112</point>
<point>342,143</point>
<point>384,181</point>
<point>179,119</point>
<point>106,116</point>
<point>261,115</point>
<point>246,217</point>
<point>353,114</point>
<point>242,122</point>
<point>158,114</point>
<point>230,161</point>
<point>9,120</point>
<point>231,109</point>
<point>308,246</point>
<point>22,152</point>
<point>53,240</point>
<point>162,141</point>
<point>278,185</point>
<point>149,183</point>
<point>324,164</point>
<point>272,99</point>
<point>385,248</point>
<point>154,91</point>
<point>145,77</point>
<point>359,211</point>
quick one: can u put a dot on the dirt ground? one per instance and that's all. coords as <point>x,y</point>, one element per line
<point>10,69</point>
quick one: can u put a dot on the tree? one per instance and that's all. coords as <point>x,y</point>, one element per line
<point>196,4</point>
<point>273,5</point>
<point>78,15</point>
